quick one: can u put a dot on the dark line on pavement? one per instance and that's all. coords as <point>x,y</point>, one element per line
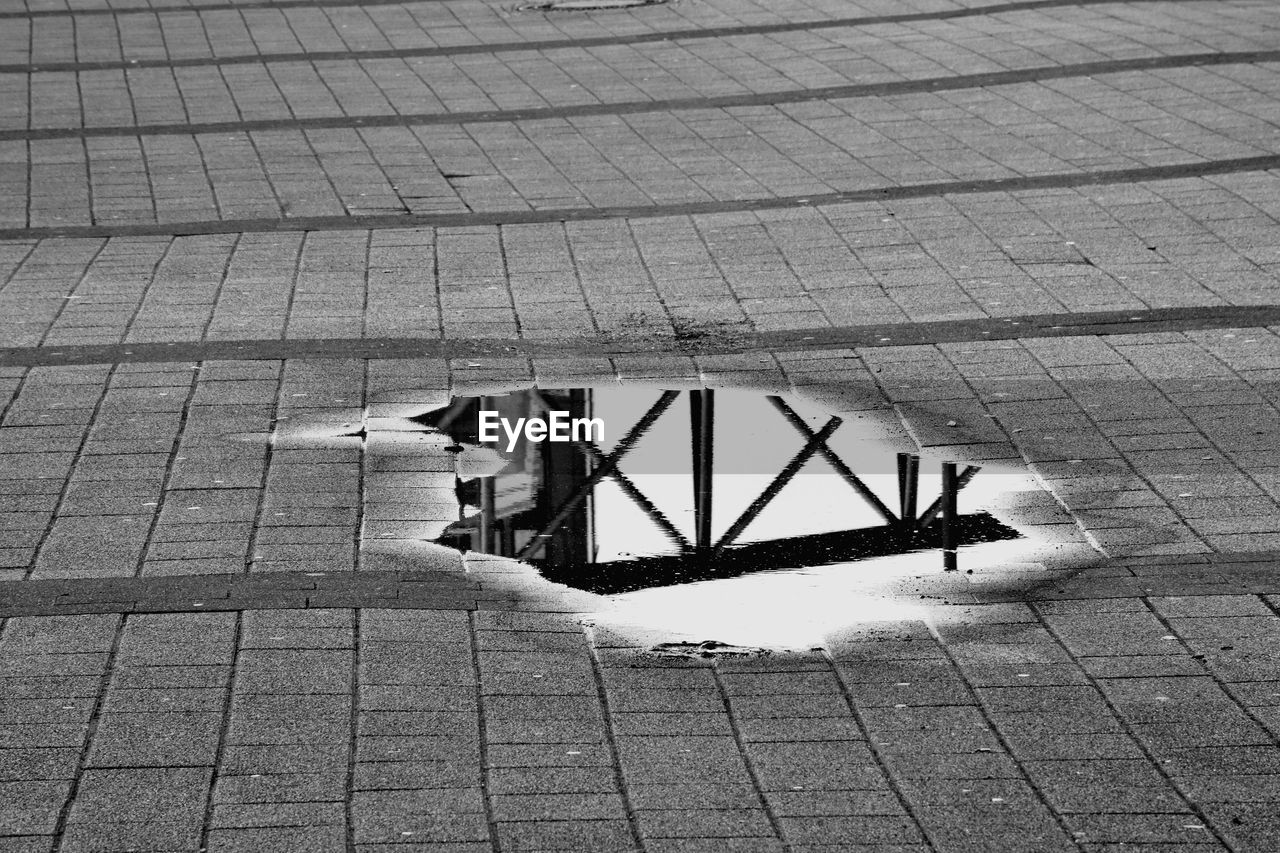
<point>436,590</point>
<point>789,96</point>
<point>427,590</point>
<point>585,214</point>
<point>211,7</point>
<point>1093,323</point>
<point>903,17</point>
<point>544,44</point>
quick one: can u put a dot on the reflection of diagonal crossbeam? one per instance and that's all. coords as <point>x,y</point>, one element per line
<point>637,497</point>
<point>816,442</point>
<point>630,489</point>
<point>784,476</point>
<point>608,465</point>
<point>835,461</point>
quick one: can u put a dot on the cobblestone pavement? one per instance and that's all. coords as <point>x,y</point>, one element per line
<point>244,239</point>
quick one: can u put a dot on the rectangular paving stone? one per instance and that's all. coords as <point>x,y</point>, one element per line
<point>413,775</point>
<point>31,808</point>
<point>142,795</point>
<point>247,760</point>
<point>321,839</point>
<point>411,828</point>
<point>280,788</point>
<point>703,823</point>
<point>602,835</point>
<point>862,829</point>
<point>152,835</point>
<point>294,671</point>
<point>173,739</point>
<point>244,816</point>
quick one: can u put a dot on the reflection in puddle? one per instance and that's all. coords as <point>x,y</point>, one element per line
<point>690,486</point>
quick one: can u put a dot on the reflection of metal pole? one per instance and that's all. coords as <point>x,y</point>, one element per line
<point>931,512</point>
<point>950,490</point>
<point>603,470</point>
<point>598,460</point>
<point>702,428</point>
<point>487,511</point>
<point>908,487</point>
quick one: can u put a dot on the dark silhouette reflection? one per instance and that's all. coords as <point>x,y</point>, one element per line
<point>545,506</point>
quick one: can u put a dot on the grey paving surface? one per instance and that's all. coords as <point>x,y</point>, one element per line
<point>245,240</point>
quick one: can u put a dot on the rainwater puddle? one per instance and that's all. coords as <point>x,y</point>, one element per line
<point>619,489</point>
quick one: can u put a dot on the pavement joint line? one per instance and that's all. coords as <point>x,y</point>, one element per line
<point>900,192</point>
<point>428,589</point>
<point>611,737</point>
<point>91,728</point>
<point>213,7</point>
<point>753,773</point>
<point>755,99</point>
<point>1172,631</point>
<point>81,448</point>
<point>482,733</point>
<point>515,46</point>
<point>877,752</point>
<point>1126,725</point>
<point>353,747</point>
<point>1084,324</point>
<point>990,9</point>
<point>361,519</point>
<point>220,751</point>
<point>985,712</point>
<point>1213,442</point>
<point>423,590</point>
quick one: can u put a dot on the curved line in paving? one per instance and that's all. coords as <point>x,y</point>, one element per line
<point>715,342</point>
<point>788,96</point>
<point>970,11</point>
<point>211,7</point>
<point>557,44</point>
<point>584,214</point>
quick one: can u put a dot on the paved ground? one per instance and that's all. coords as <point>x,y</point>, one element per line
<point>1041,233</point>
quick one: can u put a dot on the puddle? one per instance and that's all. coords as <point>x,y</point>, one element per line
<point>632,488</point>
<point>689,517</point>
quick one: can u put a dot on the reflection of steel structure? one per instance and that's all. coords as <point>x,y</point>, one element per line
<point>536,481</point>
<point>557,526</point>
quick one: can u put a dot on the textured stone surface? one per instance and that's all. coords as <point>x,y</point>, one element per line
<point>222,624</point>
